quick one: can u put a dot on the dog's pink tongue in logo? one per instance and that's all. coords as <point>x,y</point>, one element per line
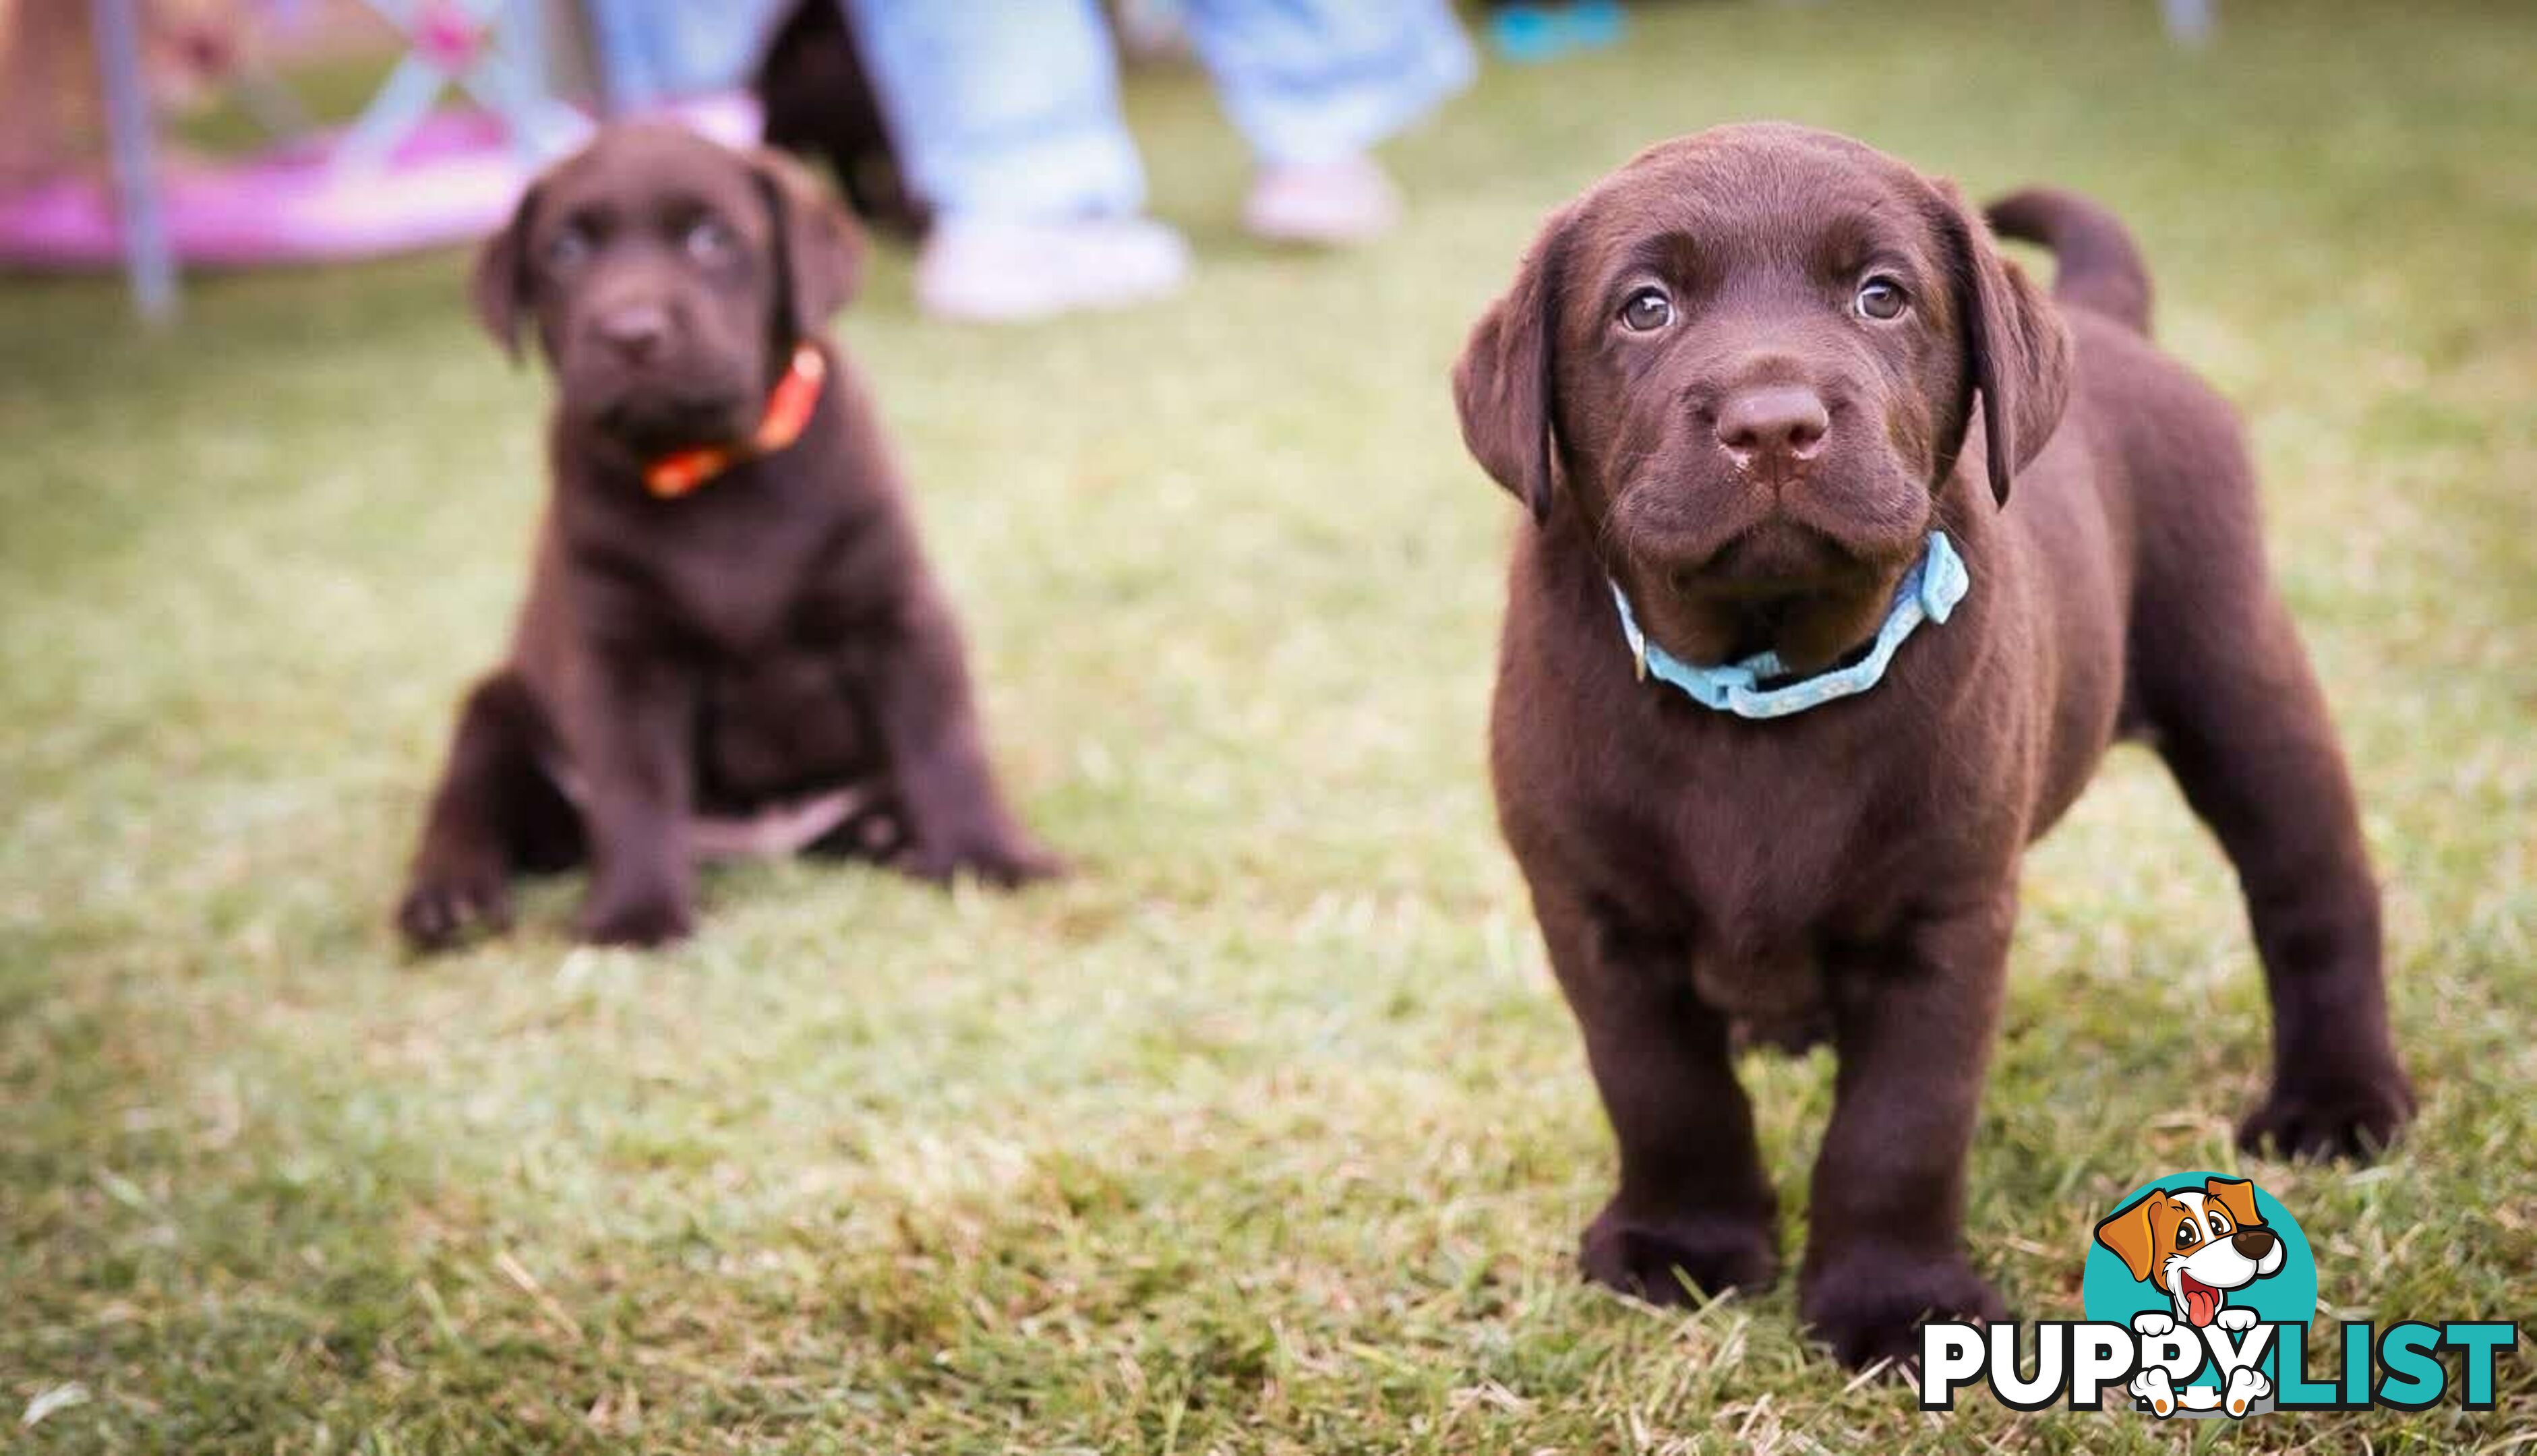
<point>2202,1300</point>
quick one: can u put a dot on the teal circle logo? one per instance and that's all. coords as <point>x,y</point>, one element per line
<point>2211,1254</point>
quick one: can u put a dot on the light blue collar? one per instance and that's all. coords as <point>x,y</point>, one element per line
<point>1928,592</point>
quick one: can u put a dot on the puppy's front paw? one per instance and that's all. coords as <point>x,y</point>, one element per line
<point>2356,1119</point>
<point>2152,1388</point>
<point>637,921</point>
<point>1004,859</point>
<point>2236,1319</point>
<point>1673,1263</point>
<point>2246,1385</point>
<point>2152,1323</point>
<point>1870,1305</point>
<point>450,900</point>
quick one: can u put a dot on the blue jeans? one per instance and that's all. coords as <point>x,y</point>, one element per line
<point>651,52</point>
<point>1010,107</point>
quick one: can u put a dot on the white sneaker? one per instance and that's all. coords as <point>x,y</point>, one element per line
<point>1005,271</point>
<point>1327,204</point>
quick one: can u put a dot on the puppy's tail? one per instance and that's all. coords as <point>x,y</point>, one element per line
<point>2097,265</point>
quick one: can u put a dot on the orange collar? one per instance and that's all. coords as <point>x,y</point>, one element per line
<point>789,408</point>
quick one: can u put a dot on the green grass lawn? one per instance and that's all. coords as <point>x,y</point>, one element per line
<point>1267,1132</point>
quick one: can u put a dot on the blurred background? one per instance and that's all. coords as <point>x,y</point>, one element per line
<point>159,134</point>
<point>243,133</point>
<point>1267,1131</point>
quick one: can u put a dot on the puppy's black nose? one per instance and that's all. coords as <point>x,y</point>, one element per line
<point>2254,1244</point>
<point>635,331</point>
<point>1783,419</point>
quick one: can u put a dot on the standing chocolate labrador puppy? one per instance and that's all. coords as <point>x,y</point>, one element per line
<point>1785,689</point>
<point>731,641</point>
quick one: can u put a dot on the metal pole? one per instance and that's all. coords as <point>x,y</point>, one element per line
<point>147,255</point>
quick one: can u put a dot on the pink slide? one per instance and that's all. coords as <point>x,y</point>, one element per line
<point>451,180</point>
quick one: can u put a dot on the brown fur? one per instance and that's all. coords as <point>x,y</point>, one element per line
<point>1851,871</point>
<point>681,664</point>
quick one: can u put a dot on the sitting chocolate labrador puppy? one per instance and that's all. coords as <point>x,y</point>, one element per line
<point>1784,691</point>
<point>731,641</point>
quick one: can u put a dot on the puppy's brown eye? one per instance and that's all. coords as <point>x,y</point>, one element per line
<point>2188,1234</point>
<point>1881,299</point>
<point>1647,310</point>
<point>707,240</point>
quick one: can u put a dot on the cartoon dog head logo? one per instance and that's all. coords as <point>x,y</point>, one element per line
<point>2195,1245</point>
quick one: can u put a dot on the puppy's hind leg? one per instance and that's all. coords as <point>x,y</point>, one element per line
<point>1694,1216</point>
<point>2239,718</point>
<point>954,818</point>
<point>495,811</point>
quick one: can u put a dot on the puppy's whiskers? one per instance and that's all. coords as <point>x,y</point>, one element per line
<point>1608,545</point>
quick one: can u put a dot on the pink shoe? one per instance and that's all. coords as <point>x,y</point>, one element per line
<point>1325,204</point>
<point>1005,271</point>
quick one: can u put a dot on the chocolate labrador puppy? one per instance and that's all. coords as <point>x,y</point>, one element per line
<point>731,641</point>
<point>1788,680</point>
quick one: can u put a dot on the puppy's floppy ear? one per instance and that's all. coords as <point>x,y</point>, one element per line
<point>2239,1197</point>
<point>819,249</point>
<point>2132,1233</point>
<point>2017,349</point>
<point>502,280</point>
<point>1506,384</point>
